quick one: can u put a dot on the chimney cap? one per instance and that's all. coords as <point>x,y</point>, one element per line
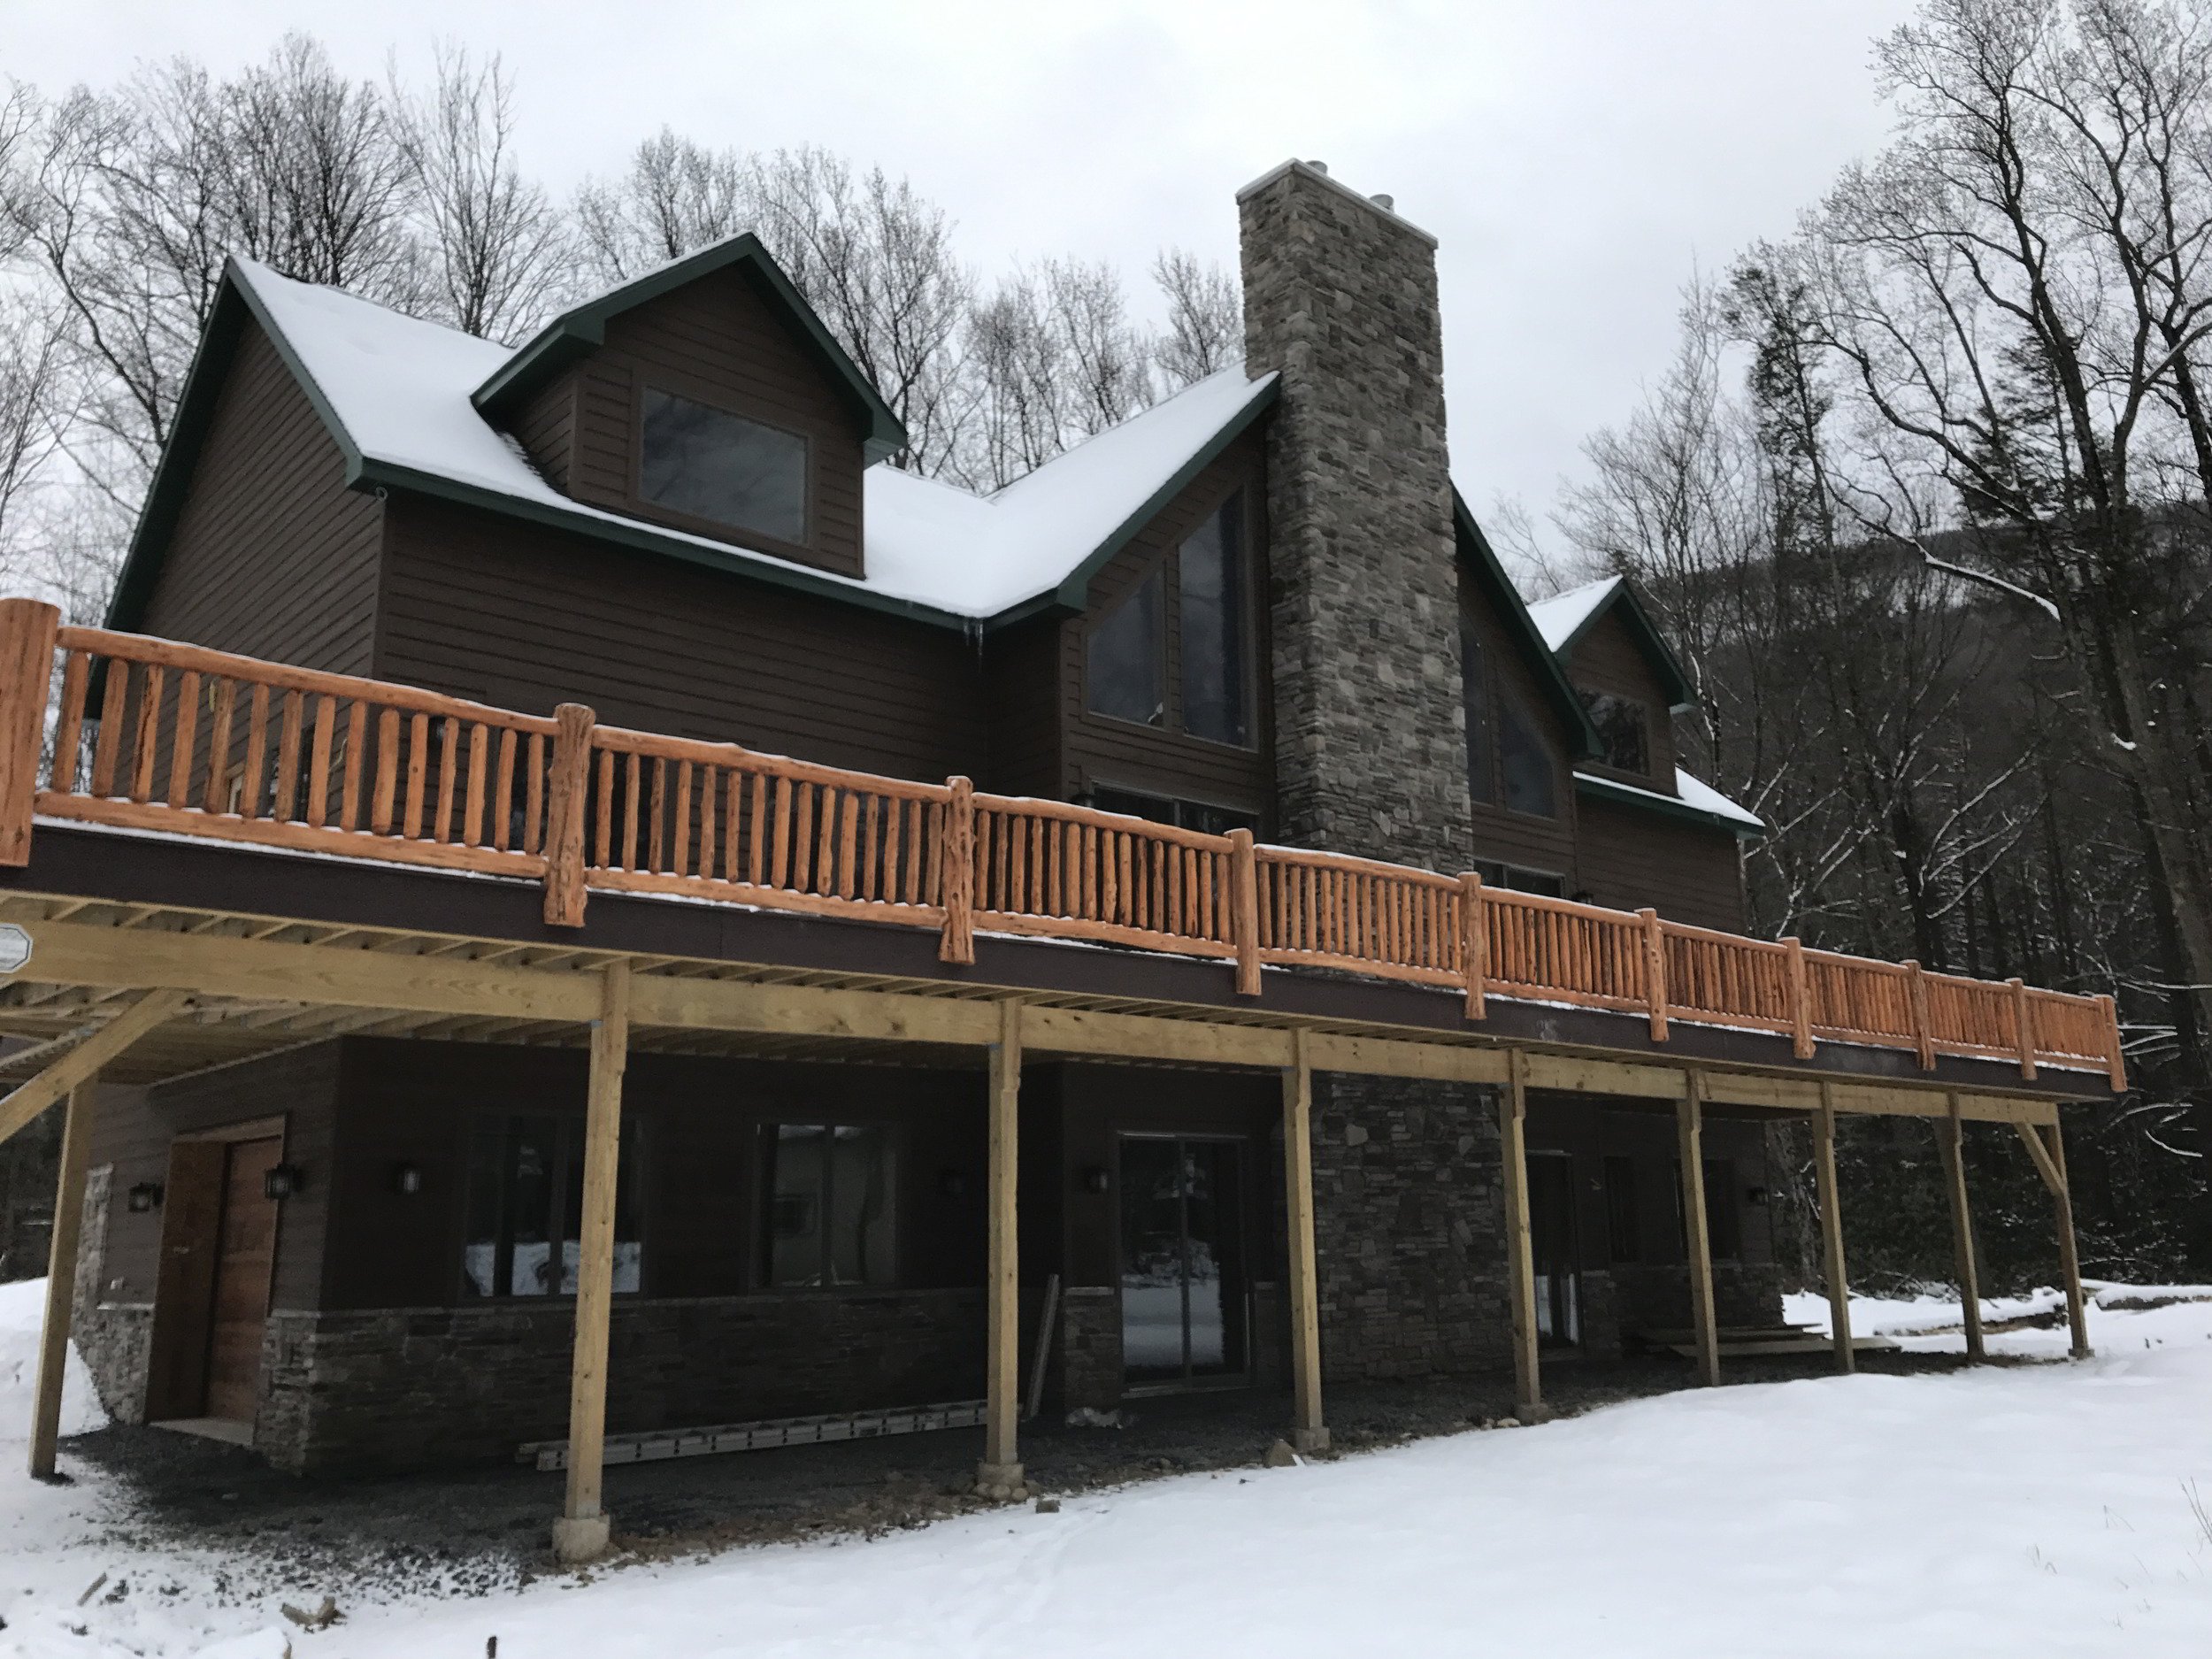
<point>1385,205</point>
<point>1388,203</point>
<point>1321,167</point>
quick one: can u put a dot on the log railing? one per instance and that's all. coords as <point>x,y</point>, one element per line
<point>153,736</point>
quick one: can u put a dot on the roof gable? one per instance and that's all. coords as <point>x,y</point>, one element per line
<point>581,329</point>
<point>1565,621</point>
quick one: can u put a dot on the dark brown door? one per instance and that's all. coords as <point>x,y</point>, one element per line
<point>245,1255</point>
<point>184,1291</point>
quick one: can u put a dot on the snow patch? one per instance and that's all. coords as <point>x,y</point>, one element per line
<point>22,1311</point>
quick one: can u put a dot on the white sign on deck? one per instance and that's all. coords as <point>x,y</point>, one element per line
<point>15,946</point>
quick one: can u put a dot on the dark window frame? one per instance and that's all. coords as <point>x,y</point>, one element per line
<point>1206,817</point>
<point>568,1127</point>
<point>1516,721</point>
<point>768,1143</point>
<point>1623,1217</point>
<point>1168,639</point>
<point>1633,711</point>
<point>644,506</point>
<point>1511,878</point>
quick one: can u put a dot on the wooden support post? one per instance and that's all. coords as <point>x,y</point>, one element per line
<point>1244,909</point>
<point>1655,972</point>
<point>1309,1433</point>
<point>568,787</point>
<point>581,1534</point>
<point>61,1276</point>
<point>28,630</point>
<point>1690,1142</point>
<point>2047,1147</point>
<point>1832,1227</point>
<point>956,944</point>
<point>1000,1473</point>
<point>1520,1254</point>
<point>1951,1142</point>
<point>1917,997</point>
<point>1800,1003</point>
<point>2023,1026</point>
<point>1474,944</point>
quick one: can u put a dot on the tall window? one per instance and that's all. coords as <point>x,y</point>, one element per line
<point>1531,783</point>
<point>1127,655</point>
<point>1474,697</point>
<point>525,1200</point>
<point>832,1205</point>
<point>1212,572</point>
<point>1623,1226</point>
<point>713,464</point>
<point>1128,679</point>
<point>1620,730</point>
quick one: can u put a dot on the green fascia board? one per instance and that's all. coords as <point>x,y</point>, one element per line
<point>1663,806</point>
<point>577,332</point>
<point>1506,600</point>
<point>1680,697</point>
<point>1073,592</point>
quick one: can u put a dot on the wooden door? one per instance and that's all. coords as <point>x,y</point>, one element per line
<point>245,1258</point>
<point>184,1287</point>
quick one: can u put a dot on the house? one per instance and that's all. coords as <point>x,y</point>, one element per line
<point>1214,690</point>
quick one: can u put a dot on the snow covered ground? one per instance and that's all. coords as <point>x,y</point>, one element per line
<point>2040,1509</point>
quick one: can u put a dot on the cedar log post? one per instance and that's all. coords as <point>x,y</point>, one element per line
<point>581,1534</point>
<point>1690,1136</point>
<point>1655,972</point>
<point>1800,1002</point>
<point>569,786</point>
<point>956,874</point>
<point>1951,1142</point>
<point>61,1276</point>
<point>1000,1473</point>
<point>2115,1056</point>
<point>1244,909</point>
<point>28,631</point>
<point>1474,943</point>
<point>1309,1433</point>
<point>1917,999</point>
<point>1520,1251</point>
<point>2023,1026</point>
<point>1832,1227</point>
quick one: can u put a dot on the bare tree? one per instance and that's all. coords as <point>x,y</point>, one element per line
<point>496,251</point>
<point>1205,318</point>
<point>677,198</point>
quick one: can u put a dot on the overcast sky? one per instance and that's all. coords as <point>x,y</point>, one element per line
<point>1575,157</point>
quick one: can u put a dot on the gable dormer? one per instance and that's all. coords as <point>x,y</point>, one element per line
<point>1629,680</point>
<point>707,397</point>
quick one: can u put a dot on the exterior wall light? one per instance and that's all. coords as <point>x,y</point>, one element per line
<point>1755,1195</point>
<point>407,1180</point>
<point>282,1181</point>
<point>144,1197</point>
<point>1097,1179</point>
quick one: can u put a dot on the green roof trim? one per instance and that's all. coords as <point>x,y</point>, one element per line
<point>1681,696</point>
<point>1664,806</point>
<point>582,328</point>
<point>1505,599</point>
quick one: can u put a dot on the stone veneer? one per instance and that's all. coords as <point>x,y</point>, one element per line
<point>112,1336</point>
<point>1371,757</point>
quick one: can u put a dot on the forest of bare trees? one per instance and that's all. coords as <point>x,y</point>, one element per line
<point>1925,497</point>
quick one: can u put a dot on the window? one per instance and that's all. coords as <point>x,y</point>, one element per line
<point>1514,878</point>
<point>710,464</point>
<point>1192,815</point>
<point>1474,698</point>
<point>1126,654</point>
<point>832,1205</point>
<point>526,1195</point>
<point>1723,1236</point>
<point>1212,575</point>
<point>1531,785</point>
<point>1623,1226</point>
<point>1620,730</point>
<point>1128,678</point>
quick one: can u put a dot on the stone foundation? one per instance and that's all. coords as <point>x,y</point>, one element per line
<point>413,1389</point>
<point>1410,1230</point>
<point>1600,1314</point>
<point>1090,1347</point>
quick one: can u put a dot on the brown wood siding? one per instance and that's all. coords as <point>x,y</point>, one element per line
<point>545,425</point>
<point>1520,837</point>
<point>1096,751</point>
<point>1632,858</point>
<point>1022,694</point>
<point>272,554</point>
<point>1608,658</point>
<point>718,342</point>
<point>526,616</point>
<point>137,1126</point>
<point>698,1127</point>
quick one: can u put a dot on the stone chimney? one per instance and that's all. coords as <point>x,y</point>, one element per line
<point>1339,298</point>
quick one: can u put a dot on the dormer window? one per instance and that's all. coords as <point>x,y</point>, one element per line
<point>708,463</point>
<point>1621,730</point>
<point>1201,593</point>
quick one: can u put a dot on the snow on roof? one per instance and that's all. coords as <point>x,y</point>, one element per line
<point>1558,620</point>
<point>400,387</point>
<point>1697,792</point>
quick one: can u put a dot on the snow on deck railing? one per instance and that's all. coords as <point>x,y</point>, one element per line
<point>202,742</point>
